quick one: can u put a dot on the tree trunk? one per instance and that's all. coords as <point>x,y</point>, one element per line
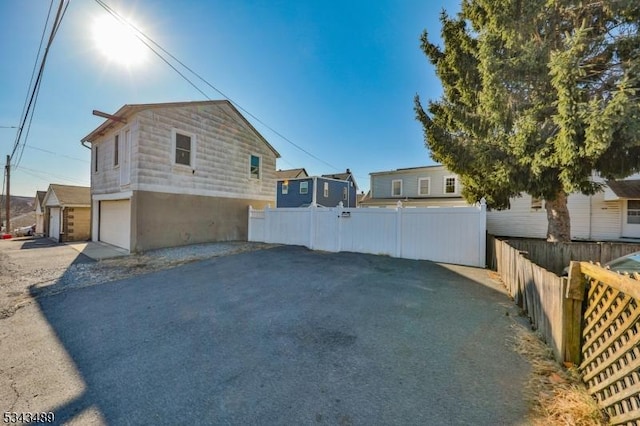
<point>558,220</point>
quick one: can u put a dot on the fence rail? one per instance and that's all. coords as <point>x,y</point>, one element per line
<point>449,235</point>
<point>556,256</point>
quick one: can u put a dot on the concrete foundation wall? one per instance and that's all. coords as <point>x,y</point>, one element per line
<point>169,220</point>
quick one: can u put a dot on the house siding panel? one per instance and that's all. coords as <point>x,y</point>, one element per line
<point>223,146</point>
<point>381,183</point>
<point>107,179</point>
<point>293,198</point>
<point>592,218</point>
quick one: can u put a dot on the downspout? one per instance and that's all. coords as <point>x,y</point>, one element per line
<point>83,144</point>
<point>590,214</point>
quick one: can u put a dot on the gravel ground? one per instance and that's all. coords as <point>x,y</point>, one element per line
<point>36,268</point>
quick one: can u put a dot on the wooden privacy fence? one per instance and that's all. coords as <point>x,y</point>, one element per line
<point>610,340</point>
<point>556,256</point>
<point>449,235</point>
<point>540,293</point>
<point>594,322</point>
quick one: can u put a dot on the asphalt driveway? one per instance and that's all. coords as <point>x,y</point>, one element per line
<point>283,336</point>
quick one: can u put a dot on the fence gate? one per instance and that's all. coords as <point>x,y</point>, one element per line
<point>449,235</point>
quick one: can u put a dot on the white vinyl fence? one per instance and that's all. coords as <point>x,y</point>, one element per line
<point>440,234</point>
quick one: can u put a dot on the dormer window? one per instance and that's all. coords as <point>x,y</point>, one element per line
<point>450,185</point>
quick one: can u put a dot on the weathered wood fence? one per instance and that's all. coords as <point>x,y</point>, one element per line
<point>593,323</point>
<point>555,257</point>
<point>540,293</point>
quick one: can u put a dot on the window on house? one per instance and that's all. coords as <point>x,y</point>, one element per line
<point>424,186</point>
<point>396,188</point>
<point>304,187</point>
<point>326,189</point>
<point>633,211</point>
<point>449,185</point>
<point>344,194</point>
<point>116,148</point>
<point>285,188</point>
<point>95,159</point>
<point>255,167</point>
<point>536,203</point>
<point>183,149</point>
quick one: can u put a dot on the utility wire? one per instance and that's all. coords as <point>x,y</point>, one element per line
<point>36,173</point>
<point>62,8</point>
<point>143,38</point>
<point>56,153</point>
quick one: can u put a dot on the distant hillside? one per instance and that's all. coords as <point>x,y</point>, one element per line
<point>22,211</point>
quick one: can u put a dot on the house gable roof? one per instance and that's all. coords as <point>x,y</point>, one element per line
<point>67,195</point>
<point>291,173</point>
<point>40,197</point>
<point>625,188</point>
<point>343,176</point>
<point>129,110</point>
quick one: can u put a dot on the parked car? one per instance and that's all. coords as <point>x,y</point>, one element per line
<point>629,263</point>
<point>25,231</point>
<point>625,264</point>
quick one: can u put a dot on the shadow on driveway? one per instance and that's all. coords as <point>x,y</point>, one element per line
<point>291,336</point>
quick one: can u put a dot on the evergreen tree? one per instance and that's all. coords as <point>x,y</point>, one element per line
<point>538,94</point>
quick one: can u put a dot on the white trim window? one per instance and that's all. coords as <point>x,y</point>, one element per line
<point>396,188</point>
<point>424,186</point>
<point>345,192</point>
<point>633,212</point>
<point>255,169</point>
<point>304,187</point>
<point>184,146</point>
<point>450,185</point>
<point>326,190</point>
<point>116,149</point>
<point>284,189</point>
<point>536,203</point>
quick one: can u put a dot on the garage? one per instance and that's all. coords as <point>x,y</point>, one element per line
<point>54,223</point>
<point>115,223</point>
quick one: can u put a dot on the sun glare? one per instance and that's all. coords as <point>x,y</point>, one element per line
<point>118,43</point>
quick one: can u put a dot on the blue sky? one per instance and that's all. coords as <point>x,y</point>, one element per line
<point>335,77</point>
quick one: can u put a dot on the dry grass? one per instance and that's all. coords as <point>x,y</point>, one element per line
<point>557,395</point>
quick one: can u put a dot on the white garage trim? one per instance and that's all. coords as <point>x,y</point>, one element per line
<point>54,223</point>
<point>115,223</point>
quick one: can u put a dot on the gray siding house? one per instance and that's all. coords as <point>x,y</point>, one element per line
<point>427,186</point>
<point>179,173</point>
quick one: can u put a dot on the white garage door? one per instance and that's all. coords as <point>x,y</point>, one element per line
<point>115,222</point>
<point>54,223</point>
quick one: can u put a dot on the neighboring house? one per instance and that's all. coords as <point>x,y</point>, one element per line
<point>67,213</point>
<point>608,215</point>
<point>291,174</point>
<point>317,190</point>
<point>39,203</point>
<point>180,173</point>
<point>428,186</point>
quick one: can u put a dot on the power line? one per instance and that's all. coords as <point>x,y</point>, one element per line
<point>143,38</point>
<point>36,173</point>
<point>56,153</point>
<point>28,112</point>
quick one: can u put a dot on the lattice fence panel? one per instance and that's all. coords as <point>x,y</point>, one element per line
<point>611,352</point>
